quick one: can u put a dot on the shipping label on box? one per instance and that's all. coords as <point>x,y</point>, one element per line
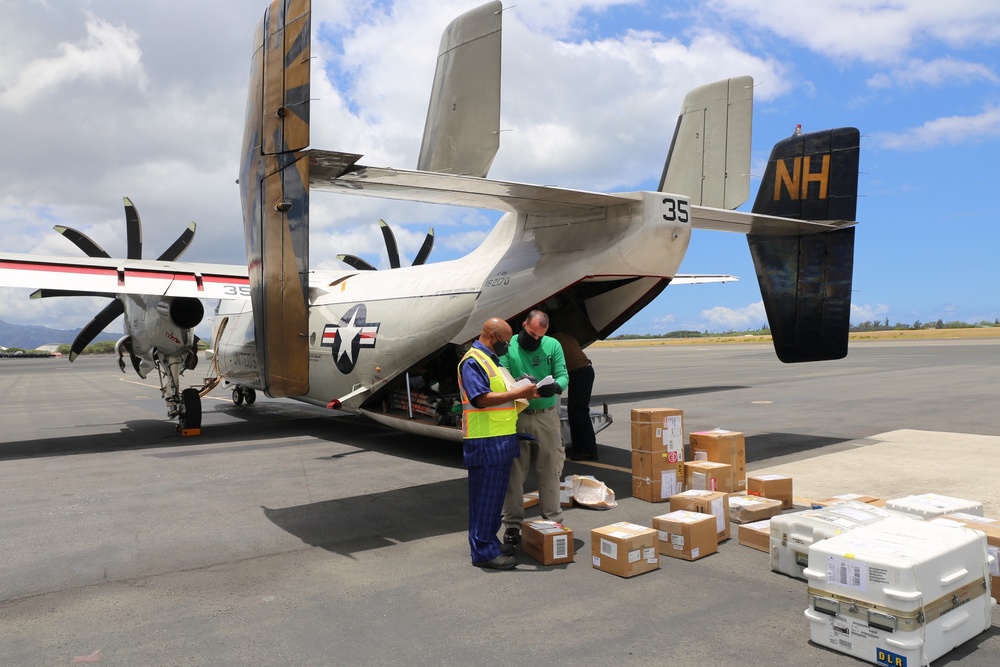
<point>715,503</point>
<point>548,542</point>
<point>708,476</point>
<point>756,535</point>
<point>723,446</point>
<point>775,487</point>
<point>624,548</point>
<point>686,535</point>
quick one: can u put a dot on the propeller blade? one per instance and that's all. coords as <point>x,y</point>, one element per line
<point>425,249</point>
<point>390,244</point>
<point>178,247</point>
<point>95,326</point>
<point>133,230</point>
<point>82,241</point>
<point>46,293</point>
<point>356,262</point>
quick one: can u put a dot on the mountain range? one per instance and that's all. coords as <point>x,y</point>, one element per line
<point>30,336</point>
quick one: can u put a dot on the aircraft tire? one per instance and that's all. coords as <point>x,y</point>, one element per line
<point>251,395</point>
<point>237,396</point>
<point>192,409</point>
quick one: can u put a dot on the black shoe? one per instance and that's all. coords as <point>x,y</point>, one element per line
<point>498,563</point>
<point>512,536</point>
<point>508,549</point>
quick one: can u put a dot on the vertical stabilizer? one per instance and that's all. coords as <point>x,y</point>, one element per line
<point>805,279</point>
<point>462,131</point>
<point>709,158</point>
<point>274,186</point>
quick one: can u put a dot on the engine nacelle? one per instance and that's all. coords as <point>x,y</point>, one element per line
<point>184,312</point>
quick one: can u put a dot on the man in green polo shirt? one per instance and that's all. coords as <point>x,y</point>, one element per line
<point>537,355</point>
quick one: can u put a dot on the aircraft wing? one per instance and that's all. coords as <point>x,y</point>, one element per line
<point>332,171</point>
<point>124,276</point>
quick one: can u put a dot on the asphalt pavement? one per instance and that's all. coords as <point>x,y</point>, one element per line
<point>286,534</point>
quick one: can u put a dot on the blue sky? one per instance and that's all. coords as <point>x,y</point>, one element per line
<point>109,98</point>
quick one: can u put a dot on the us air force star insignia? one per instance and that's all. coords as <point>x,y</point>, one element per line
<point>348,337</point>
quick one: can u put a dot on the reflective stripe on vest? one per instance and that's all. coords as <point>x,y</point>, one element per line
<point>488,422</point>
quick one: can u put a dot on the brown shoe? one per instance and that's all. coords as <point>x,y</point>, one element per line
<point>498,563</point>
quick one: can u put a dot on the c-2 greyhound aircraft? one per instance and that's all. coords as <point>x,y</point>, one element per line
<point>386,343</point>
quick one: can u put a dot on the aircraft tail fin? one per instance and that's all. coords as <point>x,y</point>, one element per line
<point>274,187</point>
<point>462,130</point>
<point>712,140</point>
<point>805,279</point>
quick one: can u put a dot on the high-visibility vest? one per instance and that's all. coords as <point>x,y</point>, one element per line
<point>492,421</point>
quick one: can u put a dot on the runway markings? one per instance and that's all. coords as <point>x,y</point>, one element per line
<point>598,464</point>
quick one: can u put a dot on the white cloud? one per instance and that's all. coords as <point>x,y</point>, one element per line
<point>866,312</point>
<point>951,130</point>
<point>871,31</point>
<point>721,318</point>
<point>933,73</point>
<point>109,53</point>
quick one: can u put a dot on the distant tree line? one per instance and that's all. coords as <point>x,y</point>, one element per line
<point>876,325</point>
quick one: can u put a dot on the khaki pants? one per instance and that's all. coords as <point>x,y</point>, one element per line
<point>547,457</point>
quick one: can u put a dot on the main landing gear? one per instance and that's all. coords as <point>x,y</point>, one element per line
<point>241,394</point>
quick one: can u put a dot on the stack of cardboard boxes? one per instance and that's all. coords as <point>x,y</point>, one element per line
<point>657,453</point>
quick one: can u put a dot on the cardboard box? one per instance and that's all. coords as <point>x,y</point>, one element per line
<point>687,535</point>
<point>658,488</point>
<point>565,496</point>
<point>775,487</point>
<point>708,476</point>
<point>530,499</point>
<point>723,446</point>
<point>833,500</point>
<point>625,549</point>
<point>658,430</point>
<point>548,542</point>
<point>756,535</point>
<point>715,503</point>
<point>992,529</point>
<point>750,509</point>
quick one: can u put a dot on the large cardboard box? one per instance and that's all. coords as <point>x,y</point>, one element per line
<point>548,542</point>
<point>992,529</point>
<point>708,476</point>
<point>750,509</point>
<point>756,535</point>
<point>715,503</point>
<point>658,430</point>
<point>657,453</point>
<point>687,535</point>
<point>775,487</point>
<point>625,549</point>
<point>723,446</point>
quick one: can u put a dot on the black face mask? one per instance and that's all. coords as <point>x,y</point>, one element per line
<point>527,342</point>
<point>500,348</point>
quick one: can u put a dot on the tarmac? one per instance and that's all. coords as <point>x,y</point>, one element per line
<point>286,534</point>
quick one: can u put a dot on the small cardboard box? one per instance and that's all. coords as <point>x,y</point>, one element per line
<point>708,476</point>
<point>625,549</point>
<point>775,487</point>
<point>548,542</point>
<point>833,500</point>
<point>724,446</point>
<point>530,499</point>
<point>706,502</point>
<point>992,529</point>
<point>750,509</point>
<point>687,535</point>
<point>565,496</point>
<point>756,535</point>
<point>658,430</point>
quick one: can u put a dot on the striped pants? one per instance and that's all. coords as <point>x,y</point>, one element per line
<point>487,487</point>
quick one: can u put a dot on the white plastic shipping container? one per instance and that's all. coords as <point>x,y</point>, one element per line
<point>791,534</point>
<point>931,505</point>
<point>898,592</point>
